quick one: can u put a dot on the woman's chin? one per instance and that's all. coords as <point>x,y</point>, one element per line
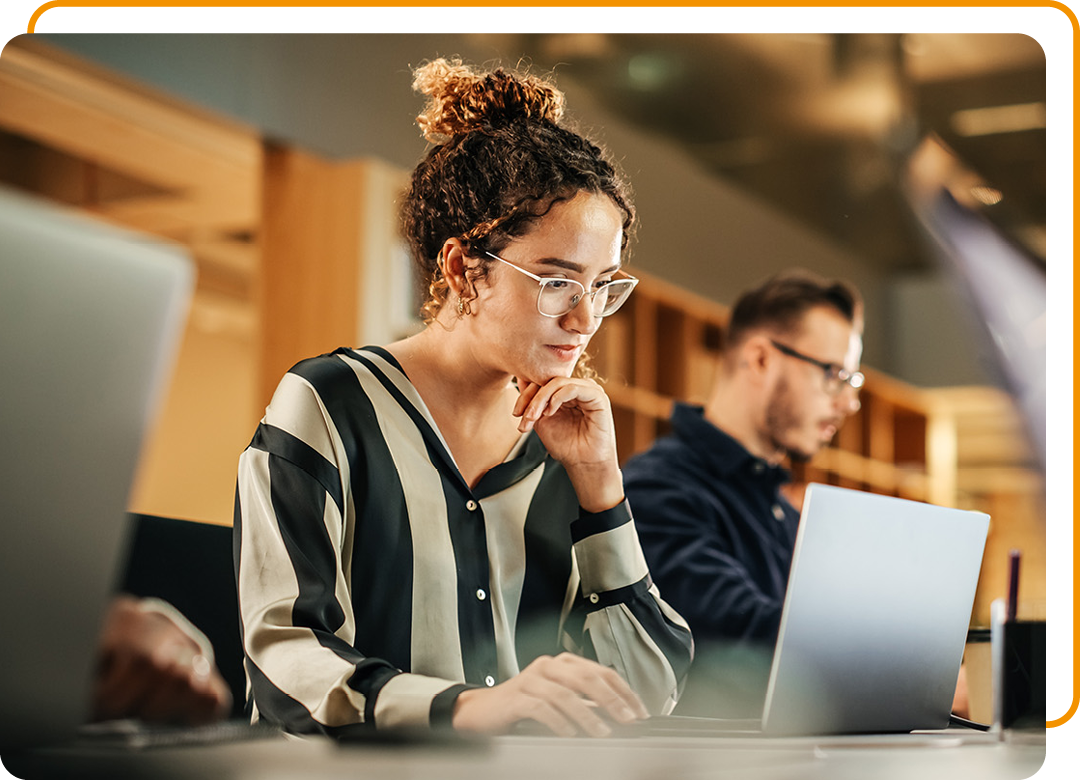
<point>542,375</point>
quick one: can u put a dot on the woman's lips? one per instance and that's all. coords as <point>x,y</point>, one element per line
<point>565,351</point>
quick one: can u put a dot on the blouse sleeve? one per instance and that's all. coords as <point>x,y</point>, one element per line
<point>295,602</point>
<point>626,625</point>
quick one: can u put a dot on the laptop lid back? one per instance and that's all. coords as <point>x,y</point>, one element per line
<point>91,318</point>
<point>876,615</point>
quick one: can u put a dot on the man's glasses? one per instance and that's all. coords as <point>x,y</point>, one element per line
<point>835,376</point>
<point>559,296</point>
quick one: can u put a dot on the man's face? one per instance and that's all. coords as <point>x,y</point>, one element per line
<point>801,414</point>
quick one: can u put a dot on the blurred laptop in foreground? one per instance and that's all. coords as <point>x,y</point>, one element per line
<point>91,320</point>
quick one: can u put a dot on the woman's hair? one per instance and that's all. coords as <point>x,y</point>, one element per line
<point>501,159</point>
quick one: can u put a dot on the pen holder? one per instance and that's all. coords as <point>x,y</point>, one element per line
<point>1018,649</point>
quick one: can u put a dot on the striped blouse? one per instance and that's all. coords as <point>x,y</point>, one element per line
<point>375,585</point>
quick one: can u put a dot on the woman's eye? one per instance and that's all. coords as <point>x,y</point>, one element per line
<point>601,283</point>
<point>557,284</point>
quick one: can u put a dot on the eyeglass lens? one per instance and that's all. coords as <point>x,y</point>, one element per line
<point>837,378</point>
<point>559,296</point>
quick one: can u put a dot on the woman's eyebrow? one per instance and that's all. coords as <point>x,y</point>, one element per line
<point>578,268</point>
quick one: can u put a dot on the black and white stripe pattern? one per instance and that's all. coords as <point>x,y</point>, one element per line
<point>374,584</point>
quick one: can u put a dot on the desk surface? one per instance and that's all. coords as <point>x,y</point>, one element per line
<point>944,757</point>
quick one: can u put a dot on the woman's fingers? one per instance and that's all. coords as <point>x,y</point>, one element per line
<point>568,694</point>
<point>546,400</point>
<point>600,684</point>
<point>526,392</point>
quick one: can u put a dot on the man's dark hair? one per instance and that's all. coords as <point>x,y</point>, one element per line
<point>781,302</point>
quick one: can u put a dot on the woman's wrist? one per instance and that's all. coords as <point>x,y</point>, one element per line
<point>599,487</point>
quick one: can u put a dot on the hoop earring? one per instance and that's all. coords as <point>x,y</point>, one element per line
<point>463,307</point>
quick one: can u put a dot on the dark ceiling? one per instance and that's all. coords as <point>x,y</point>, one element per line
<point>818,124</point>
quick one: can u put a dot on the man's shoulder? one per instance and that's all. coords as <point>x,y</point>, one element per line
<point>679,454</point>
<point>668,472</point>
<point>668,455</point>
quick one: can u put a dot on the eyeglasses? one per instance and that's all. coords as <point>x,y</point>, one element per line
<point>559,296</point>
<point>835,376</point>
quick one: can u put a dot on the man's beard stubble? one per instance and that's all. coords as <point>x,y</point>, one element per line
<point>780,418</point>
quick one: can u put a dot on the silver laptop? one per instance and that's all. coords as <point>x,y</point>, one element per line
<point>90,318</point>
<point>876,615</point>
<point>874,623</point>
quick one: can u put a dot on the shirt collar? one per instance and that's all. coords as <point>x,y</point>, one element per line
<point>525,458</point>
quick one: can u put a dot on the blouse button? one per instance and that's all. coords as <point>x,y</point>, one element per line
<point>480,594</point>
<point>471,505</point>
<point>489,681</point>
<point>778,512</point>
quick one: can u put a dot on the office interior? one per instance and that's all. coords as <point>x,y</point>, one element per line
<point>276,160</point>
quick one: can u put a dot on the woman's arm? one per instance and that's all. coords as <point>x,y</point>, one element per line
<point>625,624</point>
<point>295,600</point>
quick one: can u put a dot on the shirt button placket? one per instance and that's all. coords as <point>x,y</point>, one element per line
<point>481,594</point>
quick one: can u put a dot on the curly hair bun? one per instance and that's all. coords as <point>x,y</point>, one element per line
<point>463,100</point>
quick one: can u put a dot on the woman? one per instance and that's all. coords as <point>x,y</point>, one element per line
<point>435,533</point>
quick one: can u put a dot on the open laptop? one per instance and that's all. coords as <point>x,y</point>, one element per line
<point>90,319</point>
<point>876,615</point>
<point>874,623</point>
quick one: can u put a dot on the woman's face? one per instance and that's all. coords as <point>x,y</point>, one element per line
<point>578,239</point>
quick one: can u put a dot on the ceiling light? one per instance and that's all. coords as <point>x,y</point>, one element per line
<point>999,119</point>
<point>988,196</point>
<point>651,72</point>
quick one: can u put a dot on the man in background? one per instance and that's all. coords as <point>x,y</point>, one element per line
<point>716,529</point>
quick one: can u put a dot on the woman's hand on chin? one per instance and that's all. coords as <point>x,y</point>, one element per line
<point>572,417</point>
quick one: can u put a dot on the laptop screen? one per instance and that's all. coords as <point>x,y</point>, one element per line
<point>876,615</point>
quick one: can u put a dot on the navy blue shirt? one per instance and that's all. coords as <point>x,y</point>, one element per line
<point>717,533</point>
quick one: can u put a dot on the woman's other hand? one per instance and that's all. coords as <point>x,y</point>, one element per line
<point>567,693</point>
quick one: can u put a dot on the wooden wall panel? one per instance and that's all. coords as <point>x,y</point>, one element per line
<point>311,256</point>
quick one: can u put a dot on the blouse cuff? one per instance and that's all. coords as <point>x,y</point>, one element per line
<point>412,700</point>
<point>442,706</point>
<point>608,552</point>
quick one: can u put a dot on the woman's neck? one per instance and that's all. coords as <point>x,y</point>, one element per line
<point>441,365</point>
<point>471,405</point>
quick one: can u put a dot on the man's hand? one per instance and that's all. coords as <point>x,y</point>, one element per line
<point>150,668</point>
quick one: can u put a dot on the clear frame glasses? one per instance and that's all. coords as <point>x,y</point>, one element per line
<point>559,296</point>
<point>835,376</point>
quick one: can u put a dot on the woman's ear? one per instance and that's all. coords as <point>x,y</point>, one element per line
<point>456,270</point>
<point>454,265</point>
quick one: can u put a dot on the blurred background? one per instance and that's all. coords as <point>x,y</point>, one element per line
<point>276,160</point>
